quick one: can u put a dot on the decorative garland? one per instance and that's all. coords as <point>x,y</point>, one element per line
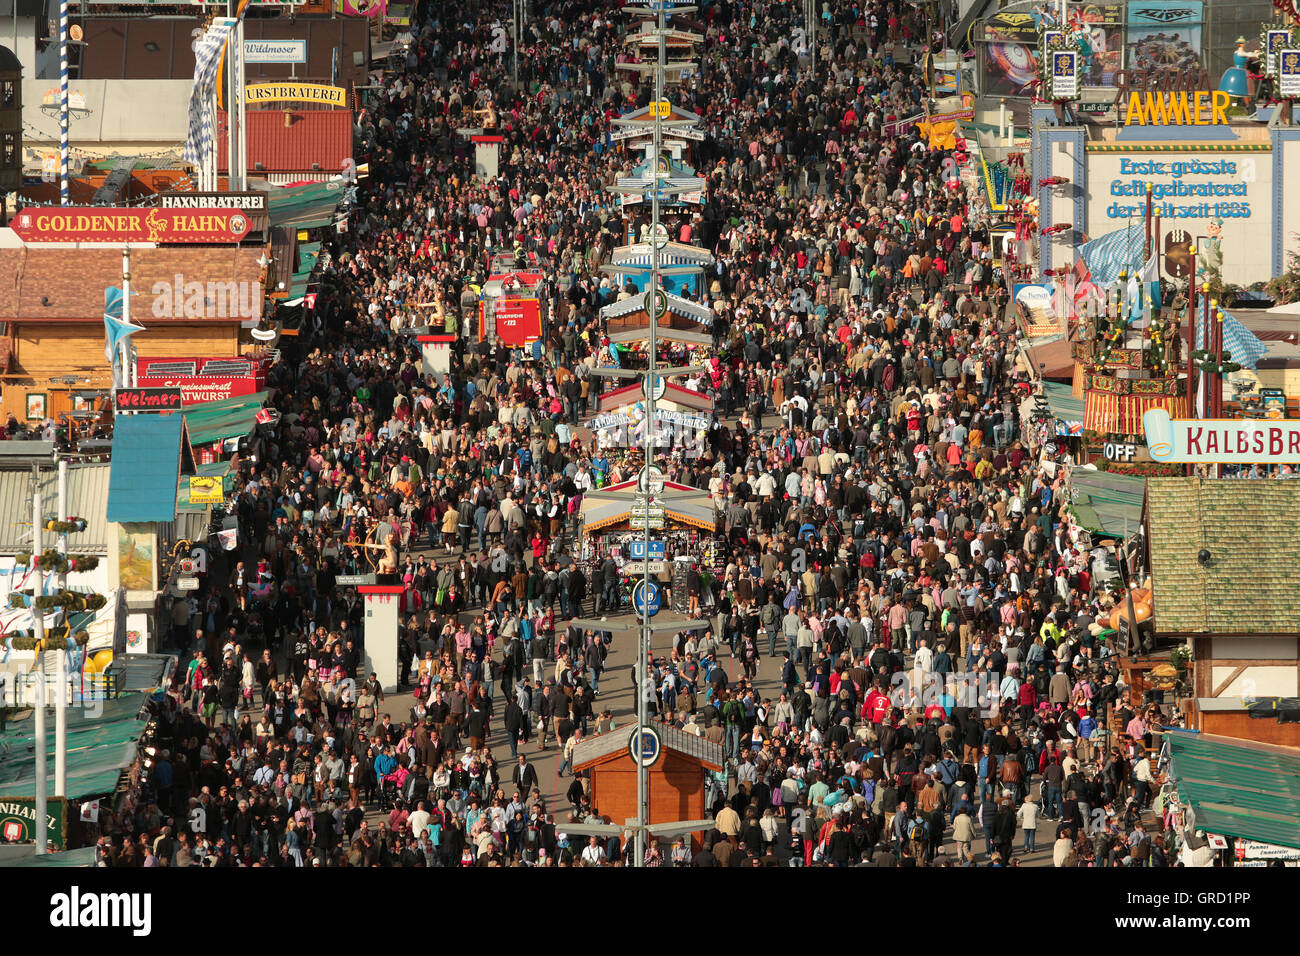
<point>68,600</point>
<point>73,525</point>
<point>26,641</point>
<point>52,560</point>
<point>1209,363</point>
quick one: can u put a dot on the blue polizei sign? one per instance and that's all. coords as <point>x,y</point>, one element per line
<point>645,598</point>
<point>637,551</point>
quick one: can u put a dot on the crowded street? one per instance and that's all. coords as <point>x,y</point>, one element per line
<point>891,649</point>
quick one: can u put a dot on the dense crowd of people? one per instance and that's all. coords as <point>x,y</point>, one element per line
<point>899,580</point>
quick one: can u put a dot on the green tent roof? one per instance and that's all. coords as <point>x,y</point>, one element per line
<point>305,207</point>
<point>66,858</point>
<point>1106,502</point>
<point>1238,788</point>
<point>308,253</point>
<point>99,747</point>
<point>231,417</point>
<point>1060,398</point>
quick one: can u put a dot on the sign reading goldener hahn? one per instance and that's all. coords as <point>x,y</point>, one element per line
<point>125,224</point>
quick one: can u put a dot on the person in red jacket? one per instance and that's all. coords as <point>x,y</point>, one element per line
<point>1026,701</point>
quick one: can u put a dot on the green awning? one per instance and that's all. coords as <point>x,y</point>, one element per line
<point>66,858</point>
<point>99,747</point>
<point>319,222</point>
<point>232,417</point>
<point>1106,502</point>
<point>146,464</point>
<point>1060,398</point>
<point>1237,787</point>
<point>308,253</point>
<point>305,207</point>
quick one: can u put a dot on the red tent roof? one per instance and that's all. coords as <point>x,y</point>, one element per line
<point>314,136</point>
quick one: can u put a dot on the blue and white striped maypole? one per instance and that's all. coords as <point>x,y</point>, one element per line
<point>63,102</point>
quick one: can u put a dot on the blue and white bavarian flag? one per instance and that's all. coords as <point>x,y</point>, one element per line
<point>207,56</point>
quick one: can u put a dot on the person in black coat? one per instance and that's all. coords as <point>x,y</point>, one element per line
<point>1003,831</point>
<point>514,721</point>
<point>323,827</point>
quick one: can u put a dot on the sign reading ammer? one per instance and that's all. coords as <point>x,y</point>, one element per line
<point>295,93</point>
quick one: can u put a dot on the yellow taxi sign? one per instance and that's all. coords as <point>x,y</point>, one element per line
<point>661,108</point>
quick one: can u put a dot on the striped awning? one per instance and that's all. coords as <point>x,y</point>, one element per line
<point>672,254</point>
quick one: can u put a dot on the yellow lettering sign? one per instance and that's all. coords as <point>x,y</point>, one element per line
<point>1157,110</point>
<point>1179,114</point>
<point>1219,107</point>
<point>1201,108</point>
<point>1135,110</point>
<point>295,93</point>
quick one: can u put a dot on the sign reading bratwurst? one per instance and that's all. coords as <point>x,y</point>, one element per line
<point>108,224</point>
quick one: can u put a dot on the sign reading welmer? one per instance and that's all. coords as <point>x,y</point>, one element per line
<point>1219,441</point>
<point>295,93</point>
<point>124,224</point>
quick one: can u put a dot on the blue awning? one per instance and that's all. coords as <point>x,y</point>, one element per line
<point>145,468</point>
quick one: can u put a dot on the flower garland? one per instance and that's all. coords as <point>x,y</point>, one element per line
<point>53,560</point>
<point>73,525</point>
<point>26,641</point>
<point>1209,363</point>
<point>68,600</point>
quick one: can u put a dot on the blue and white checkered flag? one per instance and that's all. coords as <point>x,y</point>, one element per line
<point>1115,252</point>
<point>207,56</point>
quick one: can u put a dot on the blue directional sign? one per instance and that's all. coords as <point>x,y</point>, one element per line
<point>644,746</point>
<point>645,598</point>
<point>637,551</point>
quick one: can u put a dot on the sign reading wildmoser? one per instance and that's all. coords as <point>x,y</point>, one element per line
<point>275,51</point>
<point>78,910</point>
<point>1236,442</point>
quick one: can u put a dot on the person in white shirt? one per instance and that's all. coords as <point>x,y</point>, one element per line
<point>1028,817</point>
<point>592,854</point>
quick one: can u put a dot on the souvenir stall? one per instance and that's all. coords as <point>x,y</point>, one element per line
<point>676,347</point>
